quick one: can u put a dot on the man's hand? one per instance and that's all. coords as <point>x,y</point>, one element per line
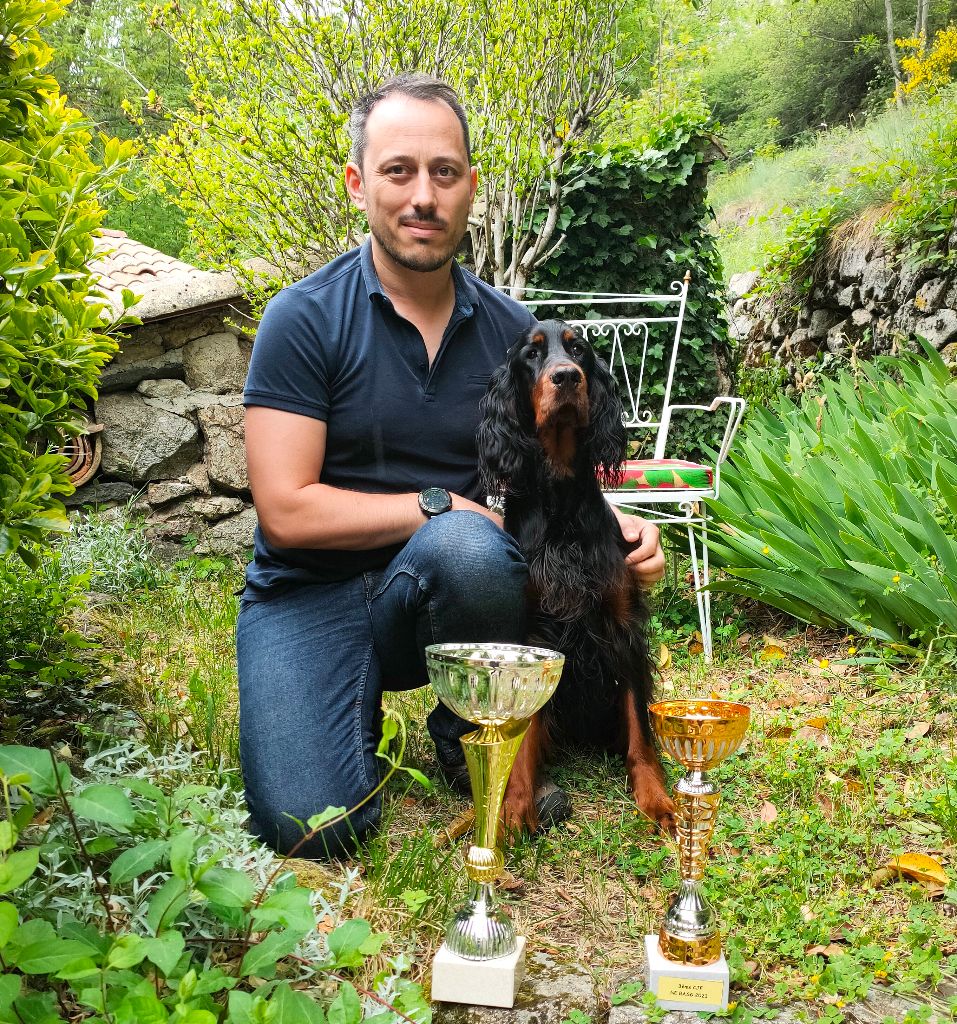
<point>646,560</point>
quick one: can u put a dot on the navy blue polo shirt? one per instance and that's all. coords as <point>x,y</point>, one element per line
<point>333,347</point>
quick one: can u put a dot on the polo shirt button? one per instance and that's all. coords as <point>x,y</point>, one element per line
<point>421,366</point>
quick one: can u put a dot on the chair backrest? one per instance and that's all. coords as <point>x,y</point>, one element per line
<point>626,340</point>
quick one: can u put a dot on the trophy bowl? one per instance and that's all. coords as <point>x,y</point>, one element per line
<point>491,684</point>
<point>699,734</point>
<point>498,687</point>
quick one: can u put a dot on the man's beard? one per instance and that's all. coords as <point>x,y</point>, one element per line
<point>423,260</point>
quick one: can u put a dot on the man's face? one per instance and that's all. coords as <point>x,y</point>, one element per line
<point>415,183</point>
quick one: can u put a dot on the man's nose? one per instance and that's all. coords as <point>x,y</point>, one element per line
<point>423,195</point>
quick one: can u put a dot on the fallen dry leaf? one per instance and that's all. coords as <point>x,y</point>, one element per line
<point>826,804</point>
<point>919,867</point>
<point>772,652</point>
<point>456,829</point>
<point>751,968</point>
<point>830,950</point>
<point>817,723</point>
<point>807,914</point>
<point>917,731</point>
<point>881,877</point>
<point>768,812</point>
<point>780,732</point>
<point>664,657</point>
<point>818,736</point>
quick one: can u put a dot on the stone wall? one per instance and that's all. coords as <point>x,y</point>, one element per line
<point>870,303</point>
<point>172,441</point>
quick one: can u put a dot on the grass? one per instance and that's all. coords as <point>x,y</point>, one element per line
<point>850,762</point>
<point>754,202</point>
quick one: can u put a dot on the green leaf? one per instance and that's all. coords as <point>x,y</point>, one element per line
<point>38,765</point>
<point>105,804</point>
<point>227,886</point>
<point>8,836</point>
<point>142,1008</point>
<point>167,904</point>
<point>290,908</point>
<point>181,848</point>
<point>127,951</point>
<point>49,956</point>
<point>9,990</point>
<point>17,868</point>
<point>323,817</point>
<point>261,959</point>
<point>346,1007</point>
<point>425,782</point>
<point>165,950</point>
<point>8,922</point>
<point>292,1007</point>
<point>137,860</point>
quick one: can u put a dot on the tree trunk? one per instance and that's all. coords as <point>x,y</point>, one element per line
<point>892,52</point>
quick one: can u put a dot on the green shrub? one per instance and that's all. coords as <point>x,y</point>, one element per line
<point>842,510</point>
<point>50,312</point>
<point>42,668</point>
<point>113,553</point>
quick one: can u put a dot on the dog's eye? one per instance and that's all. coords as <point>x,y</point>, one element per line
<point>532,352</point>
<point>578,349</point>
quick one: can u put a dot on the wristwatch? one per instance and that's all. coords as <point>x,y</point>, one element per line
<point>434,501</point>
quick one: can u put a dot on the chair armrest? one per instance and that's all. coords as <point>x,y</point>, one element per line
<point>735,411</point>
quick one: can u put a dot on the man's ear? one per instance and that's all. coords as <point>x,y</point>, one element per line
<point>474,177</point>
<point>354,185</point>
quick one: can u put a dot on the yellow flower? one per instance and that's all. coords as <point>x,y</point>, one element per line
<point>889,955</point>
<point>823,663</point>
<point>852,650</point>
<point>896,578</point>
<point>765,550</point>
<point>839,1003</point>
<point>880,974</point>
<point>732,1007</point>
<point>814,979</point>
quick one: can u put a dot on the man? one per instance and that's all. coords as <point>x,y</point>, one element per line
<point>374,538</point>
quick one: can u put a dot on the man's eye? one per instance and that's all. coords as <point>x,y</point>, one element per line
<point>444,172</point>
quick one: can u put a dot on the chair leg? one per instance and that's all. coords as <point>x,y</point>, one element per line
<point>701,580</point>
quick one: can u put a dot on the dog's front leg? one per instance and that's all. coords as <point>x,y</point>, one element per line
<point>518,809</point>
<point>644,769</point>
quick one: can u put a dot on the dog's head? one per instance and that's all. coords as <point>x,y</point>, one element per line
<point>552,397</point>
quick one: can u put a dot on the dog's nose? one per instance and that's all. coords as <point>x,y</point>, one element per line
<point>565,375</point>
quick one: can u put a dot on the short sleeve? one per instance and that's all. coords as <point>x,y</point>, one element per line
<point>290,365</point>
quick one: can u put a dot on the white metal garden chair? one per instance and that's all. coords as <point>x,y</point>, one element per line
<point>652,485</point>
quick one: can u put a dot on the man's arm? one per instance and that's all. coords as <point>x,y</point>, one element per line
<point>647,560</point>
<point>284,453</point>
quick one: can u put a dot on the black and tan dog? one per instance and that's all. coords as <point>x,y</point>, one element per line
<point>552,429</point>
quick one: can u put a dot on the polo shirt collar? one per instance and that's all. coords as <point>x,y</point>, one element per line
<point>466,294</point>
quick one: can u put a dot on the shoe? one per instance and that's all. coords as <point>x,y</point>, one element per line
<point>553,804</point>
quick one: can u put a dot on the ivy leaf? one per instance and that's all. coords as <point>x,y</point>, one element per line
<point>165,950</point>
<point>346,1007</point>
<point>17,868</point>
<point>227,886</point>
<point>105,804</point>
<point>134,862</point>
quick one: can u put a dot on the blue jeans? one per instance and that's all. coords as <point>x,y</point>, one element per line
<point>313,663</point>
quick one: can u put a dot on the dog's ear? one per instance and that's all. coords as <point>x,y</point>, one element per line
<point>504,436</point>
<point>606,438</point>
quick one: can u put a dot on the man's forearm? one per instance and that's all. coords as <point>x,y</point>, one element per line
<point>320,516</point>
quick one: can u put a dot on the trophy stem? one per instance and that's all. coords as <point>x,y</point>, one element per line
<point>480,931</point>
<point>689,933</point>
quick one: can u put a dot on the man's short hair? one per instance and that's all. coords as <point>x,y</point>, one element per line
<point>417,87</point>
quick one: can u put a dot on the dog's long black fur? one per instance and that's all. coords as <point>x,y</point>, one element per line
<point>551,430</point>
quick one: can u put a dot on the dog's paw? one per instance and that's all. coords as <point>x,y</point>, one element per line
<point>655,804</point>
<point>519,812</point>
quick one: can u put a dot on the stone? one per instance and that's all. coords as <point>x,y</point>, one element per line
<point>120,376</point>
<point>198,475</point>
<point>741,284</point>
<point>931,295</point>
<point>144,343</point>
<point>838,339</point>
<point>217,507</point>
<point>184,329</point>
<point>849,297</point>
<point>182,400</point>
<point>949,354</point>
<point>141,443</point>
<point>862,318</point>
<point>822,320</point>
<point>940,329</point>
<point>799,345</point>
<point>232,536</point>
<point>165,491</point>
<point>740,327</point>
<point>549,994</point>
<point>478,982</point>
<point>852,264</point>
<point>225,452</point>
<point>216,363</point>
<point>878,280</point>
<point>100,492</point>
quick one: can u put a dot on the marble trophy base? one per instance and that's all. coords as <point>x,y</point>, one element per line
<point>685,986</point>
<point>478,982</point>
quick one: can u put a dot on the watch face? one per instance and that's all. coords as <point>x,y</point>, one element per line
<point>435,500</point>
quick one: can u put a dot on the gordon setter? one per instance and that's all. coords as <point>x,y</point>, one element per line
<point>551,430</point>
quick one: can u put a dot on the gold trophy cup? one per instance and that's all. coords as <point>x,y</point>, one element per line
<point>498,687</point>
<point>686,968</point>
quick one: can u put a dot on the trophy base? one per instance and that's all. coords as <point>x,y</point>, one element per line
<point>686,986</point>
<point>478,982</point>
